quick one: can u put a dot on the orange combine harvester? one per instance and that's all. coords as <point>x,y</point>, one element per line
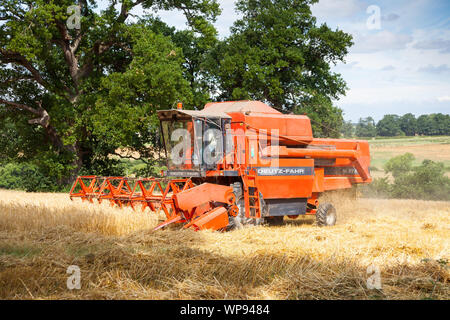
<point>238,163</point>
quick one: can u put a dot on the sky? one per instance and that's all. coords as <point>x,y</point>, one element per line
<point>400,60</point>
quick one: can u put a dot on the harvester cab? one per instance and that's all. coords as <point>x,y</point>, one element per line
<point>194,141</point>
<point>237,163</point>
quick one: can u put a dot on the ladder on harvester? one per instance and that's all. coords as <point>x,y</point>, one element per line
<point>251,195</point>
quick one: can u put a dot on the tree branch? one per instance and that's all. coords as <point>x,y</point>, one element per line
<point>125,11</point>
<point>69,46</point>
<point>15,79</point>
<point>69,56</point>
<point>14,57</point>
<point>21,106</point>
<point>42,120</point>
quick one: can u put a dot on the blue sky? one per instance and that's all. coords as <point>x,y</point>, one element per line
<point>404,66</point>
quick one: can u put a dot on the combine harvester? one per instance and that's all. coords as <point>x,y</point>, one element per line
<point>238,163</point>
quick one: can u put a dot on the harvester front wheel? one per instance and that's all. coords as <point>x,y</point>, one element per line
<point>326,215</point>
<point>240,220</point>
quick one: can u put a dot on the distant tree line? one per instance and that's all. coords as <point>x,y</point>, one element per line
<point>392,125</point>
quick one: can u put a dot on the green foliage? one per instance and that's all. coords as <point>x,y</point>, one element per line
<point>366,128</point>
<point>69,98</point>
<point>389,126</point>
<point>393,125</point>
<point>400,165</point>
<point>150,170</point>
<point>379,188</point>
<point>408,124</point>
<point>425,182</point>
<point>425,124</point>
<point>195,49</point>
<point>347,129</point>
<point>126,105</point>
<point>434,124</point>
<point>104,166</point>
<point>326,120</point>
<point>23,176</point>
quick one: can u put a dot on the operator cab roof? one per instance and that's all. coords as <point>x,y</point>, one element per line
<point>219,110</point>
<point>188,114</point>
<point>240,107</point>
<point>255,114</point>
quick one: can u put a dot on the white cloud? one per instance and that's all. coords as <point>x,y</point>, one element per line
<point>388,68</point>
<point>347,66</point>
<point>435,69</point>
<point>379,92</point>
<point>434,44</point>
<point>443,99</point>
<point>390,17</point>
<point>227,18</point>
<point>337,8</point>
<point>380,41</point>
<point>378,109</point>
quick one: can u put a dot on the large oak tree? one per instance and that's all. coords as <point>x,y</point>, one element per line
<point>70,95</point>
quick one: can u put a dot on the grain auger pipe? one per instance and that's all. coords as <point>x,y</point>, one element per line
<point>354,155</point>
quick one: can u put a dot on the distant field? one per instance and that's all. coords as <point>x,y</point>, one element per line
<point>120,257</point>
<point>433,148</point>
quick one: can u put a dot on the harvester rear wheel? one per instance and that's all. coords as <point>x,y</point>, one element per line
<point>326,215</point>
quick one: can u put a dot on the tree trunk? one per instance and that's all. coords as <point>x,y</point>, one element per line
<point>77,163</point>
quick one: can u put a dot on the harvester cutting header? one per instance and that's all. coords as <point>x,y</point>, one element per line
<point>238,163</point>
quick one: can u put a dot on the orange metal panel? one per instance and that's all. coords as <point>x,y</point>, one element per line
<point>358,160</point>
<point>215,219</point>
<point>318,185</point>
<point>287,186</point>
<point>293,126</point>
<point>206,192</point>
<point>338,183</point>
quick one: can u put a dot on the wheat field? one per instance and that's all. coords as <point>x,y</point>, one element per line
<point>434,148</point>
<point>121,258</point>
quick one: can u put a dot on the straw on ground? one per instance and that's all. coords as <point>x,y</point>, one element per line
<point>119,257</point>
